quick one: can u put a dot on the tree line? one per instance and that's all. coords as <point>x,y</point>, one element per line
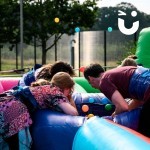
<point>40,24</point>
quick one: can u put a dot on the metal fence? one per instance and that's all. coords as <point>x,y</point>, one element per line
<point>81,49</point>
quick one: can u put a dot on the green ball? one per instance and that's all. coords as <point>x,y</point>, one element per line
<point>108,107</point>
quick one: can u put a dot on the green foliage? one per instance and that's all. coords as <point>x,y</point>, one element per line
<point>129,48</point>
<point>108,17</point>
<point>9,21</point>
<point>38,20</point>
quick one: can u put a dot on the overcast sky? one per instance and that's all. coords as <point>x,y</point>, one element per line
<point>142,5</point>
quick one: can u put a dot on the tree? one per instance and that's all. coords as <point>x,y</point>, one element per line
<point>39,20</point>
<point>9,21</point>
<point>108,17</point>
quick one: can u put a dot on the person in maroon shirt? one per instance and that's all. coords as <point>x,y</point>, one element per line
<point>124,82</point>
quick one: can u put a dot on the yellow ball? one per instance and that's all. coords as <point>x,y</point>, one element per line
<point>56,20</point>
<point>90,115</point>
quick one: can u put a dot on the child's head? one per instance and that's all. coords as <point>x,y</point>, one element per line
<point>61,66</point>
<point>128,62</point>
<point>132,56</point>
<point>62,80</point>
<point>49,70</point>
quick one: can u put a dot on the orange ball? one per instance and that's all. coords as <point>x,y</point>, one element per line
<point>85,108</point>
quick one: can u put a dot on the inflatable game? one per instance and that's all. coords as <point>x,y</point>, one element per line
<point>143,48</point>
<point>93,129</point>
<point>101,134</point>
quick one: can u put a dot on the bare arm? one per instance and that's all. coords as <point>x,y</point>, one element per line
<point>135,103</point>
<point>119,102</point>
<point>71,101</point>
<point>68,109</point>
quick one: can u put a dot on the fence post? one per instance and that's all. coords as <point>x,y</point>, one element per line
<point>79,54</point>
<point>105,58</point>
<point>1,46</point>
<point>72,53</point>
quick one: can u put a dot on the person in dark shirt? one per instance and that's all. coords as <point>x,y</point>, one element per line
<point>124,82</point>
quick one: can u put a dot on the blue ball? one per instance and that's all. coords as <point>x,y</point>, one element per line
<point>91,100</point>
<point>77,29</point>
<point>104,100</point>
<point>109,29</point>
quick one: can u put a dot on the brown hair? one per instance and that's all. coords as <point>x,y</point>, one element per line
<point>45,72</point>
<point>62,80</point>
<point>49,70</point>
<point>128,62</point>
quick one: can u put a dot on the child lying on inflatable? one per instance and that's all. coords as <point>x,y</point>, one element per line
<point>17,106</point>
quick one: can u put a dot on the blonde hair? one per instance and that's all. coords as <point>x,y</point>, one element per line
<point>40,82</point>
<point>62,80</point>
<point>128,62</point>
<point>132,56</point>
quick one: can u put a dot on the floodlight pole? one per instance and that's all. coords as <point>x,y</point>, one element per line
<point>21,32</point>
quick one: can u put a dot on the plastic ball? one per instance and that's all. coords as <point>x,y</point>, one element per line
<point>104,100</point>
<point>108,107</point>
<point>81,69</point>
<point>85,108</point>
<point>56,20</point>
<point>90,115</point>
<point>77,29</point>
<point>109,29</point>
<point>91,100</point>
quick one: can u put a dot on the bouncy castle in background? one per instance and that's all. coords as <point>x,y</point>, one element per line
<point>143,48</point>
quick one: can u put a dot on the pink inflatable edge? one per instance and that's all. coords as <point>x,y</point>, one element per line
<point>8,83</point>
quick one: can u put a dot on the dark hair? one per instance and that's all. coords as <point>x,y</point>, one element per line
<point>63,67</point>
<point>93,70</point>
<point>49,70</point>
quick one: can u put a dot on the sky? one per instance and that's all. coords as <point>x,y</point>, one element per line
<point>142,5</point>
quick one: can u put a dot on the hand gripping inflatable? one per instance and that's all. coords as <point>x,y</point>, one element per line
<point>129,119</point>
<point>53,130</point>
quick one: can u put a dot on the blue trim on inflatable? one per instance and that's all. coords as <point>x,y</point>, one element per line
<point>100,134</point>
